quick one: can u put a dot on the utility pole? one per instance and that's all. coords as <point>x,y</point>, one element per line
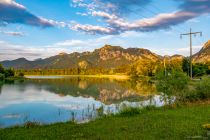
<point>164,62</point>
<point>190,34</point>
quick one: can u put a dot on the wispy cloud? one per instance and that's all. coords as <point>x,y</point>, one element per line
<point>113,15</point>
<point>185,51</point>
<point>12,33</point>
<point>10,51</point>
<point>92,29</point>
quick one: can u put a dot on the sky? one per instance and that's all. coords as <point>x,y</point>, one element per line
<point>42,28</point>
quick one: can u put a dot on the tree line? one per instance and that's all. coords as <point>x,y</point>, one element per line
<point>6,73</point>
<point>139,68</point>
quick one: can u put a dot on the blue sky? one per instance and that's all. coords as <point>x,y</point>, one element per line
<point>42,28</point>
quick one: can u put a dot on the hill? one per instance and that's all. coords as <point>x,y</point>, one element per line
<point>105,57</point>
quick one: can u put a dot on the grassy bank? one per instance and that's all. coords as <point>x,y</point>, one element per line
<point>163,123</point>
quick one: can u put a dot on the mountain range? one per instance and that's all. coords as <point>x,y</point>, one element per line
<point>106,57</point>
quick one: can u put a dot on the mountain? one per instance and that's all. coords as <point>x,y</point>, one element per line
<point>105,57</point>
<point>18,63</point>
<point>203,56</point>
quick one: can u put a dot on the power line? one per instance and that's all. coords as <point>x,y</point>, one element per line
<point>190,35</point>
<point>163,11</point>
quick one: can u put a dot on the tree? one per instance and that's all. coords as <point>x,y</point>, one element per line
<point>143,68</point>
<point>83,65</point>
<point>2,77</point>
<point>21,74</point>
<point>1,69</point>
<point>200,69</point>
<point>9,73</point>
<point>186,65</point>
<point>172,84</point>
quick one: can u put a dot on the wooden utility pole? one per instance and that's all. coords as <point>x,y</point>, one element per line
<point>164,62</point>
<point>190,34</point>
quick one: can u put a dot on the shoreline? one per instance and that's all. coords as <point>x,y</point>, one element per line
<point>118,77</point>
<point>181,122</point>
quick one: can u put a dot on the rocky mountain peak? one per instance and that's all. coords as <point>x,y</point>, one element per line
<point>206,45</point>
<point>62,53</point>
<point>111,48</point>
<point>203,56</point>
<point>106,57</point>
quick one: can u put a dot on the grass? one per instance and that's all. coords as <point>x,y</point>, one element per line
<point>151,123</point>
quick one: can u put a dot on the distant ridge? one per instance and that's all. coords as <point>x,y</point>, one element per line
<point>107,57</point>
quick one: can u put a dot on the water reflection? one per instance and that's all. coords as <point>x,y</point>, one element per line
<point>76,99</point>
<point>1,84</point>
<point>104,90</point>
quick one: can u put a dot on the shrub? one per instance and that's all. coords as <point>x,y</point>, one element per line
<point>201,92</point>
<point>9,73</point>
<point>21,74</point>
<point>172,83</point>
<point>2,77</point>
<point>130,111</point>
<point>100,111</point>
<point>203,88</point>
<point>30,124</point>
<point>1,69</point>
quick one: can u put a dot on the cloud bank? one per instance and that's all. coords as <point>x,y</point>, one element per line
<point>12,12</point>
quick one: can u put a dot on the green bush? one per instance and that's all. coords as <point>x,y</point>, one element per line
<point>172,83</point>
<point>199,69</point>
<point>201,92</point>
<point>30,124</point>
<point>129,111</point>
<point>21,74</point>
<point>203,88</point>
<point>9,73</point>
<point>1,69</point>
<point>2,77</point>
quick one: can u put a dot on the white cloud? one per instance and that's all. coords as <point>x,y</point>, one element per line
<point>185,51</point>
<point>12,33</point>
<point>104,15</point>
<point>10,51</point>
<point>5,1</point>
<point>193,21</point>
<point>91,29</point>
<point>13,12</point>
<point>82,14</point>
<point>117,25</point>
<point>117,22</point>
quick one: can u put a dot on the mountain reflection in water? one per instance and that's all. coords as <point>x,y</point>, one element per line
<point>49,100</point>
<point>107,91</point>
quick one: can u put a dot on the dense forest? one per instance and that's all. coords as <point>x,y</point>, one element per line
<point>5,73</point>
<point>139,68</point>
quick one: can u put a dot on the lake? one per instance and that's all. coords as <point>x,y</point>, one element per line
<point>51,99</point>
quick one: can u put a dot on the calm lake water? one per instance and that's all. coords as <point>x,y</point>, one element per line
<point>53,99</point>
